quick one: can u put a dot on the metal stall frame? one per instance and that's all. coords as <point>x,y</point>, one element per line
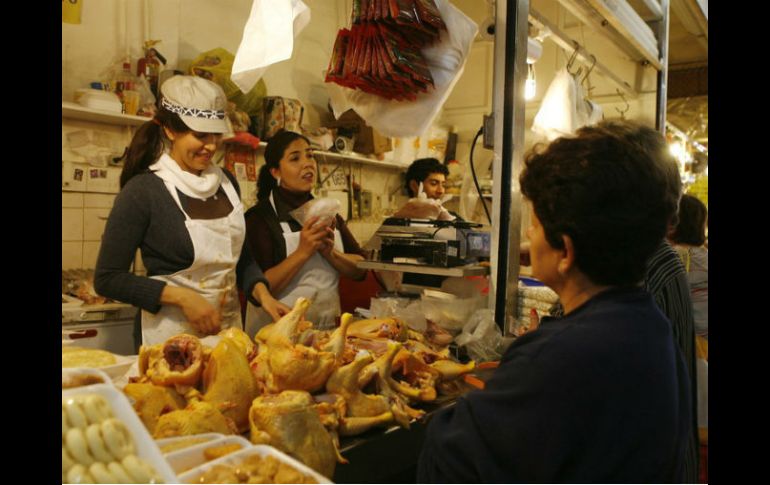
<point>510,71</point>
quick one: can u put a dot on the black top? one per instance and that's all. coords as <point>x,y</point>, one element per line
<point>600,395</point>
<point>265,235</point>
<point>145,216</point>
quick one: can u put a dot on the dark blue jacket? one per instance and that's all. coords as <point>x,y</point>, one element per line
<point>600,395</point>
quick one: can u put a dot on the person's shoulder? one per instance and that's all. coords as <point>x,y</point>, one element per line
<point>232,180</point>
<point>259,210</point>
<point>141,185</point>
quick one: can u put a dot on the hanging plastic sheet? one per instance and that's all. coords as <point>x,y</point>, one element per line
<point>268,37</point>
<point>564,108</point>
<point>445,62</point>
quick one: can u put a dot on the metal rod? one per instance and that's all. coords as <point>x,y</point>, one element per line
<point>567,43</point>
<point>510,74</point>
<point>661,97</point>
<point>589,12</point>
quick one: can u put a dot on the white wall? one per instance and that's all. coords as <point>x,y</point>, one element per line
<point>111,29</point>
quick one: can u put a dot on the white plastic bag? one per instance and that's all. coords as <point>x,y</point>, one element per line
<point>326,208</point>
<point>268,37</point>
<point>482,337</point>
<point>450,314</point>
<point>446,61</point>
<point>408,310</point>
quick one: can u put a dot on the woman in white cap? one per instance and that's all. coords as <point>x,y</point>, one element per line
<point>185,216</point>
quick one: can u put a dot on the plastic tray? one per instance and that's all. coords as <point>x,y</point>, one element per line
<point>176,439</point>
<point>145,446</point>
<point>70,373</point>
<point>237,457</point>
<point>188,458</point>
<point>118,369</point>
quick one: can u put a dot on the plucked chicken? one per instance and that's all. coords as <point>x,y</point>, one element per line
<point>228,383</point>
<point>289,422</point>
<point>176,362</point>
<point>282,364</point>
<point>151,402</point>
<point>198,417</point>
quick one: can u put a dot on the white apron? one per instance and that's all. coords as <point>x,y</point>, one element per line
<point>317,280</point>
<point>217,245</point>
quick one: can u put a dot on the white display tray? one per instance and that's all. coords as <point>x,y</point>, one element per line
<point>175,439</point>
<point>116,370</point>
<point>145,446</point>
<point>237,457</point>
<point>186,459</point>
<point>68,373</point>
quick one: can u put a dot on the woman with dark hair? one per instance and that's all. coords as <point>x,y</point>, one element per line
<point>185,216</point>
<point>602,393</point>
<point>689,237</point>
<point>297,260</point>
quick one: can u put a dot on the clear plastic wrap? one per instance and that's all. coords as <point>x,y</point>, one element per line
<point>326,208</point>
<point>482,337</point>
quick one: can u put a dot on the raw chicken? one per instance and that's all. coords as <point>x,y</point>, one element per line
<point>198,417</point>
<point>151,401</point>
<point>289,422</point>
<point>283,365</point>
<point>228,383</point>
<point>177,362</point>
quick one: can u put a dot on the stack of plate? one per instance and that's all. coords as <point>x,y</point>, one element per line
<point>101,100</point>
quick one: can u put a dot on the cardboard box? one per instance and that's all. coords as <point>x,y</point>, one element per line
<point>367,139</point>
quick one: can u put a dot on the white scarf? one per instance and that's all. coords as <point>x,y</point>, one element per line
<point>200,186</point>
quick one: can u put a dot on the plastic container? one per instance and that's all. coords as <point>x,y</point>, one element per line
<point>73,377</point>
<point>144,446</point>
<point>101,100</point>
<point>192,440</point>
<point>237,457</point>
<point>116,370</point>
<point>190,457</point>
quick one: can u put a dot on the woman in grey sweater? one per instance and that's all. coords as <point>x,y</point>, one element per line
<point>185,216</point>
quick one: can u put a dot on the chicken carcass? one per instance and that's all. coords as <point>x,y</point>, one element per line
<point>389,328</point>
<point>176,362</point>
<point>289,422</point>
<point>198,417</point>
<point>151,401</point>
<point>282,364</point>
<point>242,340</point>
<point>388,388</point>
<point>228,383</point>
<point>362,411</point>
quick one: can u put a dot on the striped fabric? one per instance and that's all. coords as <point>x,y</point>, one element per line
<point>666,280</point>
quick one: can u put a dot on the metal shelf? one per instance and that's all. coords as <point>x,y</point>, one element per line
<point>359,159</point>
<point>323,155</point>
<point>467,270</point>
<point>78,112</point>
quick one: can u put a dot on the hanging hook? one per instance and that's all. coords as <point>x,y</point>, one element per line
<point>593,63</point>
<point>572,58</point>
<point>627,107</point>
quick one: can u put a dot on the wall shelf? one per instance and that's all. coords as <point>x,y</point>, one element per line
<point>467,270</point>
<point>326,156</point>
<point>78,112</point>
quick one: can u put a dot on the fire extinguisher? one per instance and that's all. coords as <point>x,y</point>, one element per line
<point>149,65</point>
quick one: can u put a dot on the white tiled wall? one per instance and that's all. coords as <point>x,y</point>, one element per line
<point>83,217</point>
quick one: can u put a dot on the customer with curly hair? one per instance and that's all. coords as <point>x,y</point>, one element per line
<point>601,394</point>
